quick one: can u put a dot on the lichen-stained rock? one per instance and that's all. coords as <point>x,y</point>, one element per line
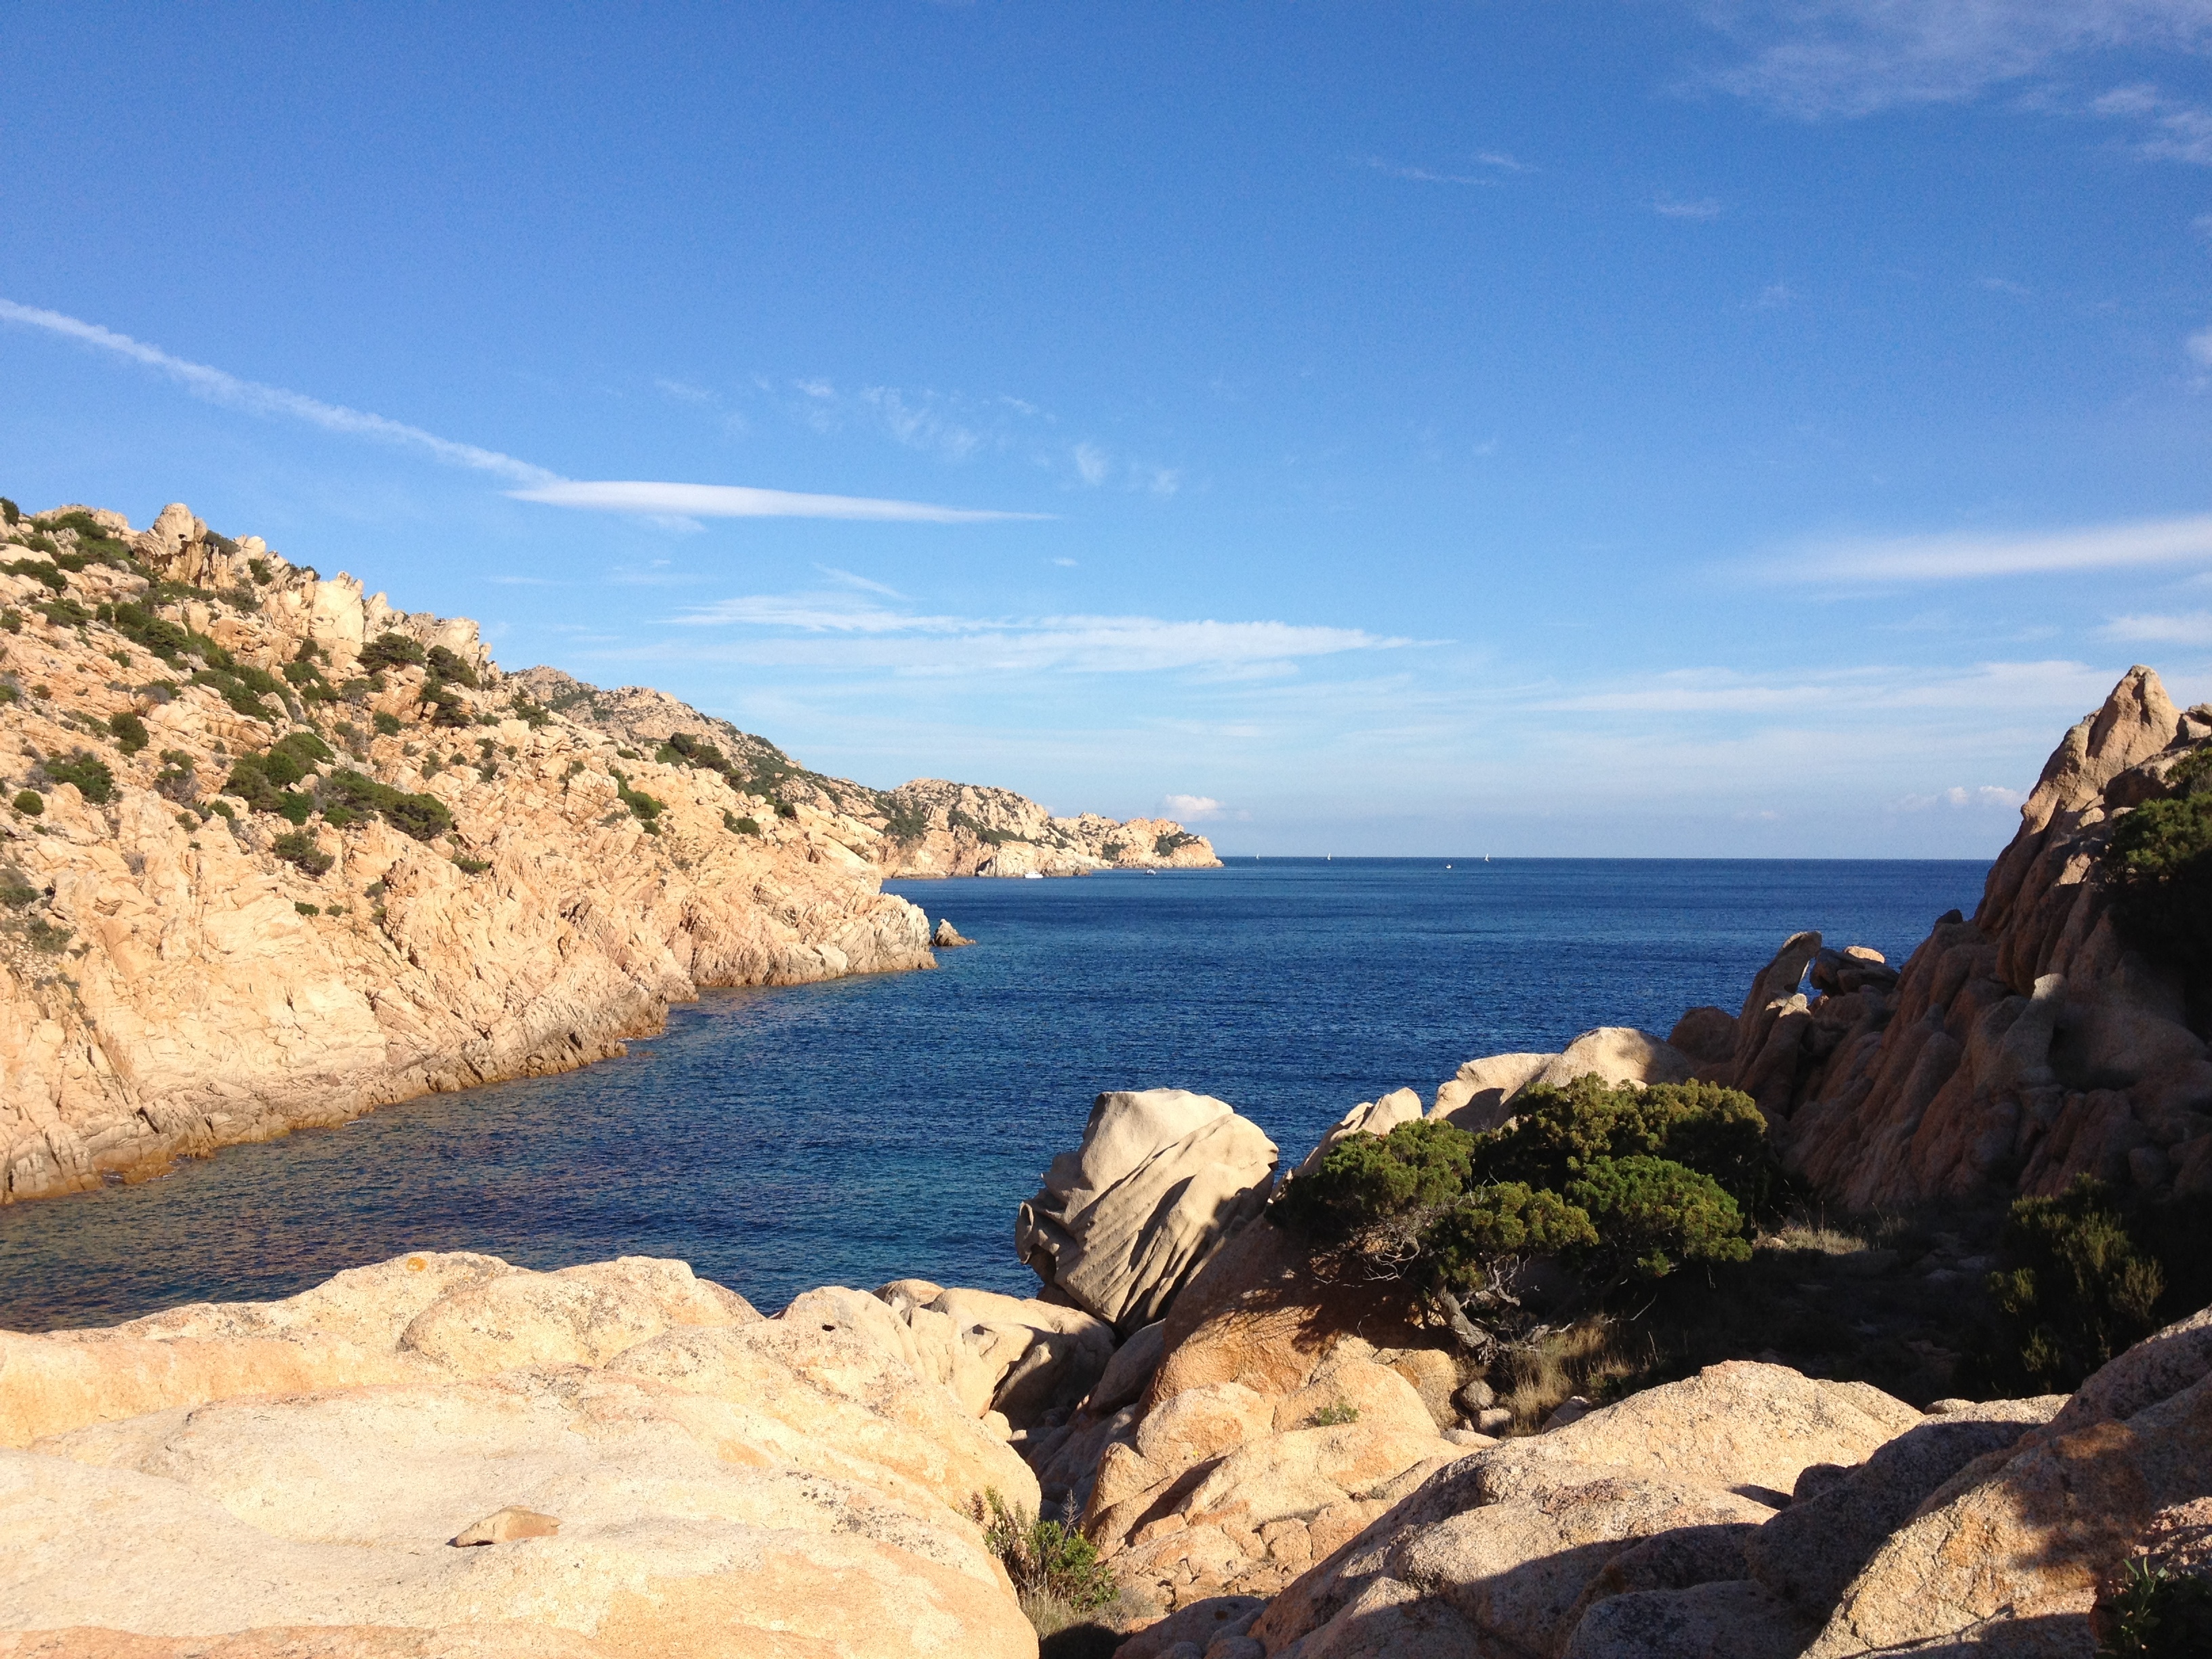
<point>1163,1178</point>
<point>2009,1555</point>
<point>659,1470</point>
<point>1511,1543</point>
<point>1728,1619</point>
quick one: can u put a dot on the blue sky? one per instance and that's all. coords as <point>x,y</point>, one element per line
<point>1645,428</point>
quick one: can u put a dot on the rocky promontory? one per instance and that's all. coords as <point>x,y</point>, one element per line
<point>273,853</point>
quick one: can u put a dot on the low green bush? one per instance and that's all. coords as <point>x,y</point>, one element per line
<point>1617,1185</point>
<point>9,511</point>
<point>2158,868</point>
<point>90,773</point>
<point>1165,844</point>
<point>297,848</point>
<point>423,817</point>
<point>131,733</point>
<point>644,806</point>
<point>737,826</point>
<point>2156,1614</point>
<point>1055,1569</point>
<point>29,802</point>
<point>261,572</point>
<point>390,651</point>
<point>39,570</point>
<point>387,725</point>
<point>445,665</point>
<point>2077,1285</point>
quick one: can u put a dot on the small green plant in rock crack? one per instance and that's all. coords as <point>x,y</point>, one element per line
<point>1329,1416</point>
<point>2154,1612</point>
<point>1055,1569</point>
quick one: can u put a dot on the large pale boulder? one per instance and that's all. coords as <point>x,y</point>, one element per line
<point>1617,1055</point>
<point>442,1454</point>
<point>679,1531</point>
<point>1162,1179</point>
<point>1475,1099</point>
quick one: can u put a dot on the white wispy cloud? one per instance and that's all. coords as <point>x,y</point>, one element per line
<point>1848,57</point>
<point>2198,346</point>
<point>863,584</point>
<point>1092,464</point>
<point>1675,207</point>
<point>860,633</point>
<point>651,499</point>
<point>1503,162</point>
<point>2189,627</point>
<point>1422,175</point>
<point>219,387</point>
<point>1194,809</point>
<point>1964,557</point>
<point>2180,131</point>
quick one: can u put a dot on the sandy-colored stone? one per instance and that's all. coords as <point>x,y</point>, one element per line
<point>1163,1178</point>
<point>729,1487</point>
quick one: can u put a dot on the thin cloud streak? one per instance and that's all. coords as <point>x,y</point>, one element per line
<point>867,634</point>
<point>1965,557</point>
<point>218,386</point>
<point>690,500</point>
<point>666,501</point>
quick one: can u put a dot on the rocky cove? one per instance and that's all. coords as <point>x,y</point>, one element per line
<point>466,884</point>
<point>442,1453</point>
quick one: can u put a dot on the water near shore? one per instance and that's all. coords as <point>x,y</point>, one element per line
<point>854,1132</point>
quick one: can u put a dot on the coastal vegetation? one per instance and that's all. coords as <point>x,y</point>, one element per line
<point>1617,1185</point>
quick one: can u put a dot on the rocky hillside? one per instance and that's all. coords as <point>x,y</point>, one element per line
<point>273,853</point>
<point>927,827</point>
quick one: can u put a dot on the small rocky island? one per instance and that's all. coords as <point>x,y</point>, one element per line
<point>1633,1350</point>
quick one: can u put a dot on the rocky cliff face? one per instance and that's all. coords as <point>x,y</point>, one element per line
<point>2015,1050</point>
<point>927,827</point>
<point>279,853</point>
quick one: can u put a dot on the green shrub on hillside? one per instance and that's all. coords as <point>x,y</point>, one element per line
<point>387,725</point>
<point>130,734</point>
<point>737,826</point>
<point>1618,1185</point>
<point>645,806</point>
<point>29,802</point>
<point>10,510</point>
<point>2077,1285</point>
<point>90,773</point>
<point>445,665</point>
<point>1165,845</point>
<point>390,651</point>
<point>1056,1572</point>
<point>2158,866</point>
<point>423,817</point>
<point>297,848</point>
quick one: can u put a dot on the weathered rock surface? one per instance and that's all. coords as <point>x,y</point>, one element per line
<point>617,1459</point>
<point>1161,1181</point>
<point>1020,1358</point>
<point>2022,1047</point>
<point>1505,1549</point>
<point>2008,1557</point>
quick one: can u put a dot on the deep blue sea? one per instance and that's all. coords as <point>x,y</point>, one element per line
<point>857,1132</point>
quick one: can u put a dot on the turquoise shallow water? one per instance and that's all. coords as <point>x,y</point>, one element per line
<point>856,1131</point>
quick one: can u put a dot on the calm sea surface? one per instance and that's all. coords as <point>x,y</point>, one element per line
<point>857,1132</point>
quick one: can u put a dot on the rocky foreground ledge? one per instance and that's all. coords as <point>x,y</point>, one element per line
<point>443,1455</point>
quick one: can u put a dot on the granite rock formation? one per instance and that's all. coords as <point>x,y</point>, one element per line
<point>2013,1050</point>
<point>654,1468</point>
<point>1161,1181</point>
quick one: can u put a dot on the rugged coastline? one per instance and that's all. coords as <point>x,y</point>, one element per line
<point>279,853</point>
<point>1263,1457</point>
